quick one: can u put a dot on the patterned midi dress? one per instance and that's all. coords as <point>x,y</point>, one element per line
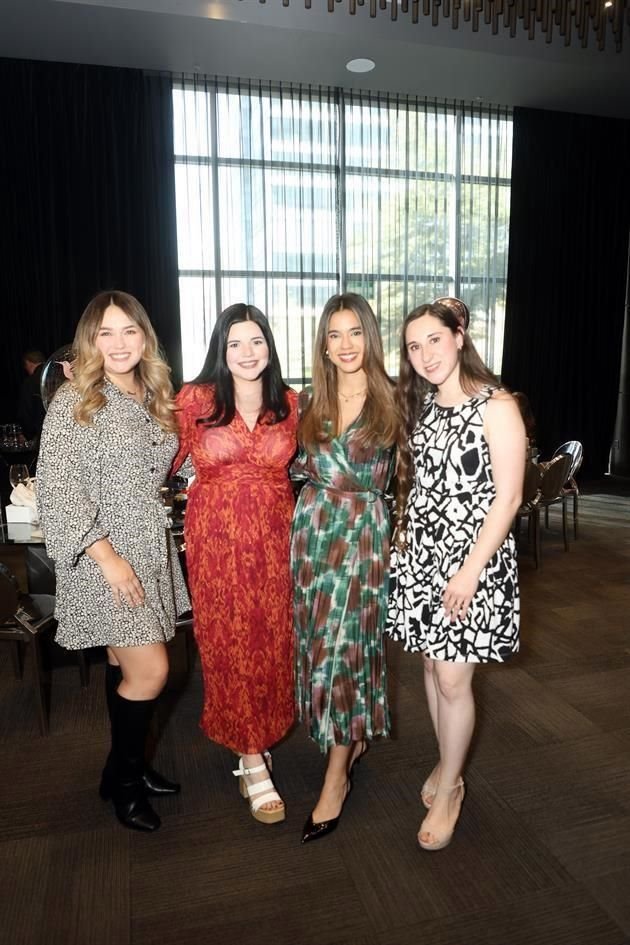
<point>447,505</point>
<point>103,481</point>
<point>237,528</point>
<point>340,562</point>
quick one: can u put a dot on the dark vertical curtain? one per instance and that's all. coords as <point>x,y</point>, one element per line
<point>87,198</point>
<point>569,228</point>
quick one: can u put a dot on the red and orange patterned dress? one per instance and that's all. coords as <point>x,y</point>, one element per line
<point>238,523</point>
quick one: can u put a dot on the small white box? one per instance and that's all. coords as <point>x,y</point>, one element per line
<point>20,513</point>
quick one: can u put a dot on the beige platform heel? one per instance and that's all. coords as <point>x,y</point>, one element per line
<point>438,843</point>
<point>263,792</point>
<point>429,787</point>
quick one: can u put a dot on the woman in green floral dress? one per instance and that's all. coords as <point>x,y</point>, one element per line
<point>340,546</point>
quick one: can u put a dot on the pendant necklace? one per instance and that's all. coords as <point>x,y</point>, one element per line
<point>347,397</point>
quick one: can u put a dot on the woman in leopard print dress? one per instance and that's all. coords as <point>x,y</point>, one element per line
<point>107,444</point>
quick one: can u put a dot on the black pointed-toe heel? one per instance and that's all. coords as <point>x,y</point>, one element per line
<point>313,830</point>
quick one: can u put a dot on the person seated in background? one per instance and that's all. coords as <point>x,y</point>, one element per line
<point>529,421</point>
<point>30,411</point>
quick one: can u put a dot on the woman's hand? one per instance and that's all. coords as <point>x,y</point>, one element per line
<point>118,573</point>
<point>458,593</point>
<point>123,581</point>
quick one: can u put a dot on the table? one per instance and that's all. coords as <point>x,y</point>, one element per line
<point>15,538</point>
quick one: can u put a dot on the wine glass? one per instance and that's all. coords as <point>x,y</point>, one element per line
<point>18,473</point>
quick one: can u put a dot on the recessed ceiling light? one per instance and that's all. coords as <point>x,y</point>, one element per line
<point>360,65</point>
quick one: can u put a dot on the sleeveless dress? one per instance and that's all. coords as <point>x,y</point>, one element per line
<point>237,528</point>
<point>448,503</point>
<point>340,562</point>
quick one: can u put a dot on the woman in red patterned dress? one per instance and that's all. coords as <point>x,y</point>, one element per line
<point>237,422</point>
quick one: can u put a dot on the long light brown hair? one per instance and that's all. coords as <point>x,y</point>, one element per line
<point>379,418</point>
<point>412,391</point>
<point>88,367</point>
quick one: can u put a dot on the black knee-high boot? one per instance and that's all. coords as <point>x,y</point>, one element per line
<point>130,726</point>
<point>155,783</point>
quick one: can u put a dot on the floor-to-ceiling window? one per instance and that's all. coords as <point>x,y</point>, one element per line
<point>287,194</point>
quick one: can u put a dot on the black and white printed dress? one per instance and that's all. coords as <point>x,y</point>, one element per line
<point>448,503</point>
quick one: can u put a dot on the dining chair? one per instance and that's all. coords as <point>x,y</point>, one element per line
<point>574,449</point>
<point>529,508</point>
<point>23,618</point>
<point>554,475</point>
<point>41,579</point>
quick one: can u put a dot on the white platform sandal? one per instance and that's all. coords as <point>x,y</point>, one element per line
<point>259,794</point>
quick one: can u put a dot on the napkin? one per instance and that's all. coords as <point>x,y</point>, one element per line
<point>24,494</point>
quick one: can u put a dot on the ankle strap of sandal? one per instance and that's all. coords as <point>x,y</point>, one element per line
<point>240,771</point>
<point>451,787</point>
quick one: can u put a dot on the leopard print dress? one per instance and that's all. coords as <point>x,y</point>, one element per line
<point>103,481</point>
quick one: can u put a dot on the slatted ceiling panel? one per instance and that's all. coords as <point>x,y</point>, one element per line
<point>562,15</point>
<point>540,856</point>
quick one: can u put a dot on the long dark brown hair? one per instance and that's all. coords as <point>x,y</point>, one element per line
<point>275,406</point>
<point>412,391</point>
<point>379,418</point>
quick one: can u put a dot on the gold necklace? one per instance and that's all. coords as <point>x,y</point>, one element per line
<point>347,397</point>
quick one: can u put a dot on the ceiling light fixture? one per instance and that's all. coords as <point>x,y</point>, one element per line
<point>360,65</point>
<point>572,19</point>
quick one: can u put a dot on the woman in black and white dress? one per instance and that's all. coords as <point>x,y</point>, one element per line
<point>106,448</point>
<point>454,593</point>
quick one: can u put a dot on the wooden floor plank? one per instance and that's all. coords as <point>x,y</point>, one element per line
<point>541,855</point>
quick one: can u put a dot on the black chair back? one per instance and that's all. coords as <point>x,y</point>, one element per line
<point>9,595</point>
<point>554,476</point>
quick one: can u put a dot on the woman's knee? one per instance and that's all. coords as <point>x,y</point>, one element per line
<point>147,673</point>
<point>453,685</point>
<point>428,666</point>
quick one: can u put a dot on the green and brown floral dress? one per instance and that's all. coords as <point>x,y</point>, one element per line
<point>340,563</point>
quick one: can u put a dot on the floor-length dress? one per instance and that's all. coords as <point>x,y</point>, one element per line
<point>340,558</point>
<point>237,528</point>
<point>447,506</point>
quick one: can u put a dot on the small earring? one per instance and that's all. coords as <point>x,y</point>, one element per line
<point>326,353</point>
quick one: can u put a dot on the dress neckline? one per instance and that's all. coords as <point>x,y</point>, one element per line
<point>126,397</point>
<point>482,394</point>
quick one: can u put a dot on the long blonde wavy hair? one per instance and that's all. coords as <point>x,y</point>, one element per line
<point>88,369</point>
<point>379,420</point>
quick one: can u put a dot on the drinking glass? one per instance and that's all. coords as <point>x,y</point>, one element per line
<point>18,473</point>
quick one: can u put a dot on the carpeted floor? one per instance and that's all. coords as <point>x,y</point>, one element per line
<point>541,855</point>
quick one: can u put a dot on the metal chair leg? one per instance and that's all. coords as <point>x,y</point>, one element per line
<point>17,658</point>
<point>575,514</point>
<point>38,682</point>
<point>564,524</point>
<point>84,672</point>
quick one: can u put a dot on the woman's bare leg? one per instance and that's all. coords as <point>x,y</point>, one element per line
<point>456,722</point>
